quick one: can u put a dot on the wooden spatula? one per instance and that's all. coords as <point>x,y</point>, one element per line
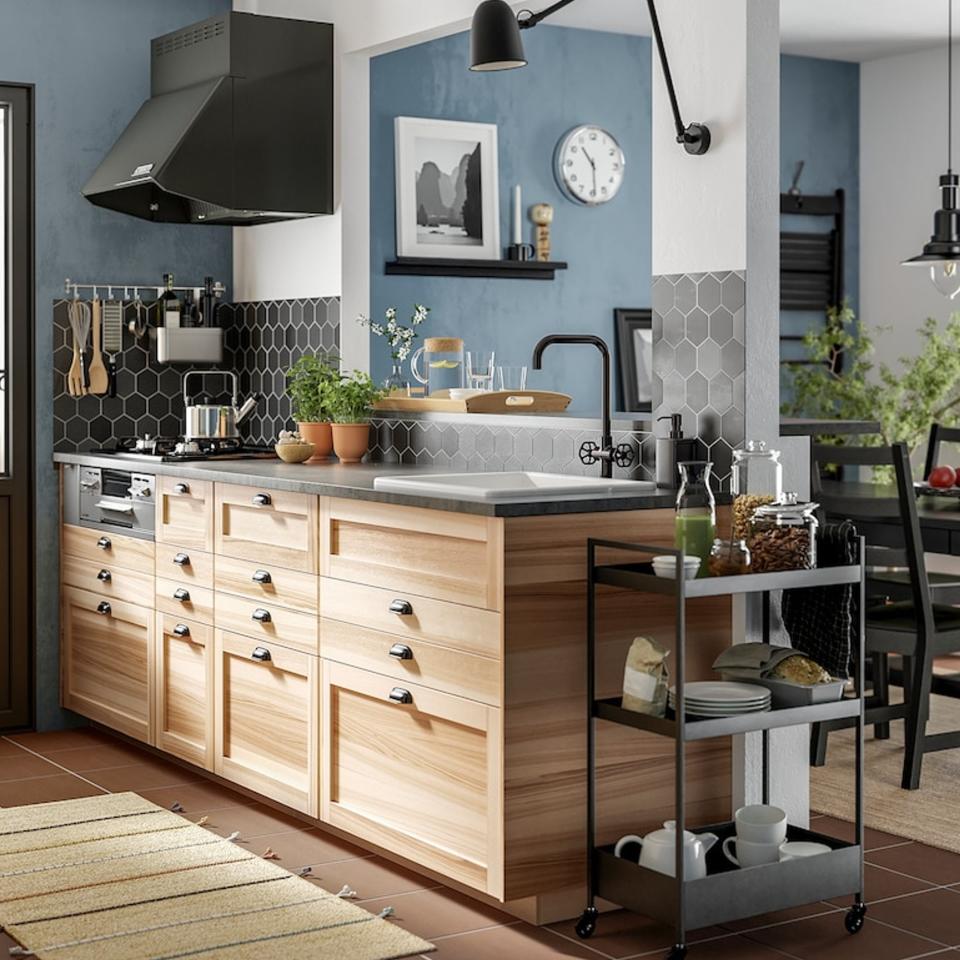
<point>99,381</point>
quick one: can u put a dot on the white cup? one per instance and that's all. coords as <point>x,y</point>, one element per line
<point>761,823</point>
<point>798,849</point>
<point>750,854</point>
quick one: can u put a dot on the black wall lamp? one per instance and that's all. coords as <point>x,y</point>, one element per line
<point>495,44</point>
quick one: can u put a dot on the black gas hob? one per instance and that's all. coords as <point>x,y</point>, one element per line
<point>179,450</point>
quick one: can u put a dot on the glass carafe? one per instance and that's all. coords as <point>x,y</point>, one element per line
<point>438,364</point>
<point>696,521</point>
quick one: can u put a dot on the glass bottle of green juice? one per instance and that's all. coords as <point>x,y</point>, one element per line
<point>696,521</point>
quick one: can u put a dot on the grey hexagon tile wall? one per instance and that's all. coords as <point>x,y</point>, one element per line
<point>261,340</point>
<point>698,358</point>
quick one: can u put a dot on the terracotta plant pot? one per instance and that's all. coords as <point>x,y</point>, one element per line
<point>350,441</point>
<point>320,435</point>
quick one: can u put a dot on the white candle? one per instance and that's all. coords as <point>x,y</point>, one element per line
<point>517,216</point>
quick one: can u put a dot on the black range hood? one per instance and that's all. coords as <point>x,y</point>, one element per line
<point>238,129</point>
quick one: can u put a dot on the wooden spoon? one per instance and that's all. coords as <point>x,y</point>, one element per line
<point>99,381</point>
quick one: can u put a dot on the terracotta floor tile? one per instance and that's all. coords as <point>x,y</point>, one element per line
<point>844,831</point>
<point>6,942</point>
<point>780,916</point>
<point>826,938</point>
<point>935,915</point>
<point>301,848</point>
<point>372,878</point>
<point>23,766</point>
<point>919,860</point>
<point>9,749</point>
<point>98,756</point>
<point>62,739</point>
<point>517,942</point>
<point>252,820</point>
<point>202,795</point>
<point>438,913</point>
<point>146,775</point>
<point>625,934</point>
<point>881,884</point>
<point>64,786</point>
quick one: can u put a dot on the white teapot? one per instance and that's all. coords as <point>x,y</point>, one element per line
<point>658,850</point>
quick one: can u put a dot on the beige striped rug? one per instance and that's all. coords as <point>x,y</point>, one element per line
<point>119,878</point>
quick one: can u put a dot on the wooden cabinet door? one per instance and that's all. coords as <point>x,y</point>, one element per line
<point>267,526</point>
<point>107,661</point>
<point>266,719</point>
<point>183,717</point>
<point>416,771</point>
<point>185,513</point>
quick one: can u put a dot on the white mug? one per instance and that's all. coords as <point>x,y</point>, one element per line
<point>749,853</point>
<point>798,849</point>
<point>761,823</point>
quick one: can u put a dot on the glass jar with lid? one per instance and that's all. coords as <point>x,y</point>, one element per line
<point>783,535</point>
<point>756,479</point>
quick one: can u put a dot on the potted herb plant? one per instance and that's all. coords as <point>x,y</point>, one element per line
<point>310,382</point>
<point>351,403</point>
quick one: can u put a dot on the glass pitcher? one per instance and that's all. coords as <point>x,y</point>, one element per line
<point>443,363</point>
<point>696,519</point>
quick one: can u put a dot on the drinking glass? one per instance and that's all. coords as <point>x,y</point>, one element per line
<point>480,369</point>
<point>512,377</point>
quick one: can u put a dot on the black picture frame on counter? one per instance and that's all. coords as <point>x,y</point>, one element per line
<point>634,335</point>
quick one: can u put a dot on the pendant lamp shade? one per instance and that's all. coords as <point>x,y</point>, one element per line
<point>495,42</point>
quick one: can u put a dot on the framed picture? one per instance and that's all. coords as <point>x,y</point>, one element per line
<point>448,192</point>
<point>634,328</point>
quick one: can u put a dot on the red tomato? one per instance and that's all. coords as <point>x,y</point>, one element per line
<point>942,477</point>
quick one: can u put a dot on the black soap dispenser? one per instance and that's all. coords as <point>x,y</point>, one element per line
<point>671,450</point>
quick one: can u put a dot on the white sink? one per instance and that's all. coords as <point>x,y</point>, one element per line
<point>518,485</point>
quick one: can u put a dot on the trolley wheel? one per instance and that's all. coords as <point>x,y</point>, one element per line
<point>853,921</point>
<point>677,953</point>
<point>587,924</point>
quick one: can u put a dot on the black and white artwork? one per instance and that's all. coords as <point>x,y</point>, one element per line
<point>447,189</point>
<point>634,328</point>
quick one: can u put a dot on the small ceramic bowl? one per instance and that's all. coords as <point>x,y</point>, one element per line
<point>666,566</point>
<point>294,452</point>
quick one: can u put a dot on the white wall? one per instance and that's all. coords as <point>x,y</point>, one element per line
<point>903,103</point>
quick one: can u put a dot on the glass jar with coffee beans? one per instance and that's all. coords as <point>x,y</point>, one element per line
<point>756,479</point>
<point>783,536</point>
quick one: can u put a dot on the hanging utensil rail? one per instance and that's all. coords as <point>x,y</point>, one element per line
<point>96,289</point>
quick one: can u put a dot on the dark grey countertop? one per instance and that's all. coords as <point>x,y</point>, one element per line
<point>811,428</point>
<point>355,482</point>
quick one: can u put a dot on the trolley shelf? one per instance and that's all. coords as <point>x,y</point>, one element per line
<point>725,726</point>
<point>640,576</point>
<point>728,893</point>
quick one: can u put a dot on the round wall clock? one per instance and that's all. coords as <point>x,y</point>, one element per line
<point>588,164</point>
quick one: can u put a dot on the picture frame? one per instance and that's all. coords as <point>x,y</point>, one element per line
<point>634,336</point>
<point>448,189</point>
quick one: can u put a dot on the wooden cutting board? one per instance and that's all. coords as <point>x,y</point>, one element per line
<point>495,401</point>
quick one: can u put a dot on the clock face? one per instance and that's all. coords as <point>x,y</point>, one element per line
<point>589,165</point>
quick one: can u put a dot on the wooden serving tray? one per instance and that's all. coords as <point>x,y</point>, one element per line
<point>495,401</point>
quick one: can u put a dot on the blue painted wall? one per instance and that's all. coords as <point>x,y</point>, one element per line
<point>820,124</point>
<point>90,62</point>
<point>574,76</point>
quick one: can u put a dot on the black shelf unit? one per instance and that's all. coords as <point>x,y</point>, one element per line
<point>494,269</point>
<point>726,893</point>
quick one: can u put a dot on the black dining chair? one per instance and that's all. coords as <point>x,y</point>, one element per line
<point>917,629</point>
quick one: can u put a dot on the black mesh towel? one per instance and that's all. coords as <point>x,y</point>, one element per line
<point>820,620</point>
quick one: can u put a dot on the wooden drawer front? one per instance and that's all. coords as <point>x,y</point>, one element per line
<point>267,527</point>
<point>268,585</point>
<point>422,779</point>
<point>181,599</point>
<point>267,623</point>
<point>183,719</point>
<point>429,553</point>
<point>185,513</point>
<point>107,661</point>
<point>413,661</point>
<point>185,565</point>
<point>267,713</point>
<point>107,580</point>
<point>108,549</point>
<point>450,624</point>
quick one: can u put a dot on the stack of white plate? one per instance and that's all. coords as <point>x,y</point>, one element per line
<point>722,698</point>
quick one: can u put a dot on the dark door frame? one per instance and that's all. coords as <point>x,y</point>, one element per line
<point>20,408</point>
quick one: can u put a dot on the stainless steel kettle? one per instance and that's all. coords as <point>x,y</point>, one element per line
<point>214,420</point>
